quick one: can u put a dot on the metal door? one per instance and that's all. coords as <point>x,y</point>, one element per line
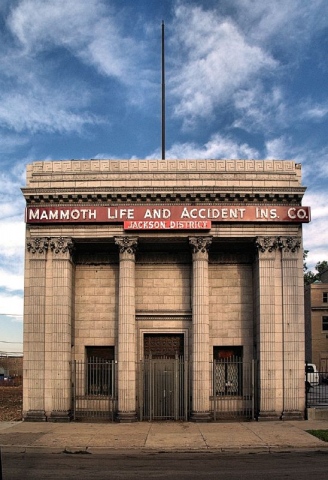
<point>164,389</point>
<point>164,379</point>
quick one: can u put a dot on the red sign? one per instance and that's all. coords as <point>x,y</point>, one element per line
<point>140,217</point>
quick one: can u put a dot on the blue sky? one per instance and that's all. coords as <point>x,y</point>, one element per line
<point>82,79</point>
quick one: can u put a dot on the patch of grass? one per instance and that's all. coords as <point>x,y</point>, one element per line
<point>321,434</point>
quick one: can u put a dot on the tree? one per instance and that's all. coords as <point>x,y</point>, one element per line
<point>321,266</point>
<point>310,277</point>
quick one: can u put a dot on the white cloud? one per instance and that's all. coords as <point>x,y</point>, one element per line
<point>9,143</point>
<point>223,59</point>
<point>13,239</point>
<point>11,305</point>
<point>314,111</point>
<point>34,98</point>
<point>290,22</point>
<point>88,30</point>
<point>315,234</point>
<point>277,147</point>
<point>11,281</point>
<point>44,111</point>
<point>260,109</point>
<point>217,147</point>
<point>11,199</point>
<point>315,167</point>
<point>215,60</point>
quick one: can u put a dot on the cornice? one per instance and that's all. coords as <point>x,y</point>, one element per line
<point>226,195</point>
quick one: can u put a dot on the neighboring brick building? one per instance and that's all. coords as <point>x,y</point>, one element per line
<point>316,321</point>
<point>192,261</point>
<point>12,365</point>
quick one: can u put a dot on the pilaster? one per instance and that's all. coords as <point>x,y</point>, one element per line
<point>268,327</point>
<point>200,317</point>
<point>126,330</point>
<point>34,329</point>
<point>58,330</point>
<point>293,328</point>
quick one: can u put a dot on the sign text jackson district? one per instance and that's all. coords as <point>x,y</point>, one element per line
<point>139,217</point>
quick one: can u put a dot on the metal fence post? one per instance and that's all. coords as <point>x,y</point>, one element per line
<point>0,465</point>
<point>307,389</point>
<point>73,367</point>
<point>214,390</point>
<point>253,389</point>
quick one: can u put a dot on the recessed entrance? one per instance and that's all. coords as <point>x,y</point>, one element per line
<point>164,393</point>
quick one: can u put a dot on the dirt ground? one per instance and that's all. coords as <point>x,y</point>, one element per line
<point>11,400</point>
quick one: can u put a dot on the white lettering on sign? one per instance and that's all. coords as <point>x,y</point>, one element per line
<point>167,225</point>
<point>167,213</point>
<point>266,213</point>
<point>75,214</point>
<point>120,213</point>
<point>164,213</point>
<point>299,213</point>
<point>213,213</point>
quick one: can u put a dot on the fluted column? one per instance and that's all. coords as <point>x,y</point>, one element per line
<point>34,329</point>
<point>268,328</point>
<point>59,331</point>
<point>200,319</point>
<point>126,330</point>
<point>293,328</point>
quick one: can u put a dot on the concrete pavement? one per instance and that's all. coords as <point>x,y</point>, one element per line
<point>236,437</point>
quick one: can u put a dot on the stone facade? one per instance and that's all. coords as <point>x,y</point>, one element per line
<point>224,280</point>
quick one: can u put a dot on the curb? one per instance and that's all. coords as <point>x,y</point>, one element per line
<point>156,450</point>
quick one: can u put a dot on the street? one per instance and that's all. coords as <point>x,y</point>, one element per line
<point>156,465</point>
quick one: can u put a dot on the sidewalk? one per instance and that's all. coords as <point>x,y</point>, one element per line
<point>236,437</point>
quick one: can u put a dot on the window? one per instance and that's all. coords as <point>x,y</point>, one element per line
<point>228,370</point>
<point>100,371</point>
<point>325,323</point>
<point>325,297</point>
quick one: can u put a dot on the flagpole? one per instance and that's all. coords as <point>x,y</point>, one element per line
<point>163,93</point>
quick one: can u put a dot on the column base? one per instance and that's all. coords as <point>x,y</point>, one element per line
<point>200,417</point>
<point>35,416</point>
<point>268,417</point>
<point>126,417</point>
<point>294,415</point>
<point>60,416</point>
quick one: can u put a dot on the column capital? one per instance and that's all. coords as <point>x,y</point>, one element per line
<point>38,245</point>
<point>290,244</point>
<point>62,246</point>
<point>127,244</point>
<point>267,244</point>
<point>200,245</point>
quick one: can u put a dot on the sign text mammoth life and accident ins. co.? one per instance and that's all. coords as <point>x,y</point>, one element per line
<point>168,217</point>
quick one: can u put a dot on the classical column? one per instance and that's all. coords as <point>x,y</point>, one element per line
<point>293,328</point>
<point>126,330</point>
<point>34,329</point>
<point>200,318</point>
<point>268,328</point>
<point>59,331</point>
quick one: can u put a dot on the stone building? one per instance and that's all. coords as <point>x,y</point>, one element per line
<point>179,275</point>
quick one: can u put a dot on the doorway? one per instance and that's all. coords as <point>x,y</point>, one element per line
<point>164,373</point>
